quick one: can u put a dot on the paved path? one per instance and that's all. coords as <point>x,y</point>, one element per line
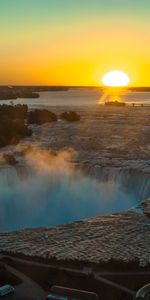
<point>27,289</point>
<point>114,285</point>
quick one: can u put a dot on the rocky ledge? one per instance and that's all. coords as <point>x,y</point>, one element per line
<point>123,236</point>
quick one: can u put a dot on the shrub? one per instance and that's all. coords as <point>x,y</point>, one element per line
<point>41,116</point>
<point>70,116</point>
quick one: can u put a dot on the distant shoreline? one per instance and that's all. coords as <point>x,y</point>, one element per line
<point>15,92</point>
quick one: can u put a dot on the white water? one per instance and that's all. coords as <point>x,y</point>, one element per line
<point>77,97</point>
<point>131,181</point>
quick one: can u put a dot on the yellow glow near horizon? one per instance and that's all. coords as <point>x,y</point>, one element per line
<point>115,79</point>
<point>63,49</point>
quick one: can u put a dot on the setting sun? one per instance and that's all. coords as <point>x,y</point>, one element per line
<point>115,79</point>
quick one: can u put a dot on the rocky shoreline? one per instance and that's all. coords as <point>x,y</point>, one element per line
<point>120,237</point>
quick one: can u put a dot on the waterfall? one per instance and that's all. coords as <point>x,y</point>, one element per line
<point>131,180</point>
<point>35,197</point>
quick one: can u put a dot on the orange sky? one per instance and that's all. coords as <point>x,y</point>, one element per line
<point>45,43</point>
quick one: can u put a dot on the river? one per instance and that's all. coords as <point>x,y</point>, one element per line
<point>78,97</point>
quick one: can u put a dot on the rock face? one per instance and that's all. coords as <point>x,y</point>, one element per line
<point>145,206</point>
<point>123,236</point>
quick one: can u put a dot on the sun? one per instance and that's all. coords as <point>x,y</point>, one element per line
<point>115,79</point>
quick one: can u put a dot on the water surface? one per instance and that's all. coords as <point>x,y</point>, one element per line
<point>77,97</point>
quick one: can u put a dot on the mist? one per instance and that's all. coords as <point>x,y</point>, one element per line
<point>50,191</point>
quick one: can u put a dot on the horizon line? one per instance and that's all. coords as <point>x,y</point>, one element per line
<point>69,86</point>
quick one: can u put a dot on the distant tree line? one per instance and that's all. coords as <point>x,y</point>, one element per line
<point>14,92</point>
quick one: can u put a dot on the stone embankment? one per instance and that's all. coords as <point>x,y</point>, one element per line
<point>123,236</point>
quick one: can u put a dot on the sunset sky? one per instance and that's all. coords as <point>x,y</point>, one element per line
<point>73,42</point>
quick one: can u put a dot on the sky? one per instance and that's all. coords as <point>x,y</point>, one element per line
<point>73,42</point>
